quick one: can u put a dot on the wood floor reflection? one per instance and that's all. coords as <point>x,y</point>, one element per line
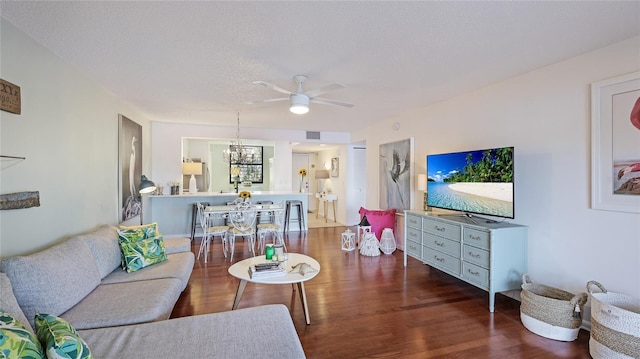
<point>373,307</point>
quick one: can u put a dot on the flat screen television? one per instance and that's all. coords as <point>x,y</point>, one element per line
<point>473,182</point>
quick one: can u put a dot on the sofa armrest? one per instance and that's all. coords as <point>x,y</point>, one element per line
<point>177,245</point>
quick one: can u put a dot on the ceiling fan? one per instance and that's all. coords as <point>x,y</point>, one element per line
<point>299,100</point>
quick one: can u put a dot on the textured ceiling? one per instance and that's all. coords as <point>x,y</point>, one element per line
<point>195,62</point>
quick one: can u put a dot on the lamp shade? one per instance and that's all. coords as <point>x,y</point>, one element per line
<point>192,168</point>
<point>299,104</point>
<point>422,182</point>
<point>322,174</point>
<point>146,186</point>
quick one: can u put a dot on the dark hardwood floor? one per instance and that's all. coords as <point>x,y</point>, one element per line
<point>373,307</point>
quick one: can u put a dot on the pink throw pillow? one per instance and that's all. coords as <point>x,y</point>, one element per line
<point>379,220</point>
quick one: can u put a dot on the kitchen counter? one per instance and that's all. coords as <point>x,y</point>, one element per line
<point>173,213</point>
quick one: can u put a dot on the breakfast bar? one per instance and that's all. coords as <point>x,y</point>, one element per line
<point>175,211</point>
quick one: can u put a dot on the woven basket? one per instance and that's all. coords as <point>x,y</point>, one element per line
<point>551,312</point>
<point>615,324</point>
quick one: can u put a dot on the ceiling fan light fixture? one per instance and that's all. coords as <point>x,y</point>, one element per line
<point>299,104</point>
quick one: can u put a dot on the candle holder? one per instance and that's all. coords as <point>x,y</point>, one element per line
<point>348,240</point>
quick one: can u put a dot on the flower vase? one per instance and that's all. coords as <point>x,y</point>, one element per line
<point>300,189</point>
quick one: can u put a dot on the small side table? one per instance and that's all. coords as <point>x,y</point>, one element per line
<point>348,241</point>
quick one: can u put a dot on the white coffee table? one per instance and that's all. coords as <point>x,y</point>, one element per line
<point>240,270</point>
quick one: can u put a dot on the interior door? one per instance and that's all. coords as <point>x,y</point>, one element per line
<point>300,160</point>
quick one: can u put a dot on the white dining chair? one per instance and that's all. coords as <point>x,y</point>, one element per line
<point>241,219</point>
<point>209,232</point>
<point>271,226</point>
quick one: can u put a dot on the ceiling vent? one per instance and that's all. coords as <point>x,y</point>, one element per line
<point>313,135</point>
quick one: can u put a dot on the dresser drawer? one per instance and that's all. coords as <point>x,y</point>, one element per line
<point>414,249</point>
<point>476,238</point>
<point>442,229</point>
<point>476,256</point>
<point>441,244</point>
<point>475,275</point>
<point>413,221</point>
<point>441,260</point>
<point>414,235</point>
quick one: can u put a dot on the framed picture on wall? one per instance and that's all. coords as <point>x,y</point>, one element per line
<point>335,166</point>
<point>615,144</point>
<point>129,167</point>
<point>396,175</point>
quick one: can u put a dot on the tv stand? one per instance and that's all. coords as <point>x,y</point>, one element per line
<point>491,256</point>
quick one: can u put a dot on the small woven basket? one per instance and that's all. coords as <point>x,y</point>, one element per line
<point>551,312</point>
<point>615,324</point>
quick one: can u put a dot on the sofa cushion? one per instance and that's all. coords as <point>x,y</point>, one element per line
<point>59,339</point>
<point>177,265</point>
<point>8,302</point>
<point>104,245</point>
<point>244,333</point>
<point>150,230</point>
<point>53,280</point>
<point>379,220</point>
<point>142,253</point>
<point>16,341</point>
<point>125,303</point>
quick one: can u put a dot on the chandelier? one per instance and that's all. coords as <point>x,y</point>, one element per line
<point>237,153</point>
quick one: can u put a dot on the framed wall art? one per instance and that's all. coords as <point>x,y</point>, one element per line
<point>396,175</point>
<point>129,167</point>
<point>335,167</point>
<point>615,144</point>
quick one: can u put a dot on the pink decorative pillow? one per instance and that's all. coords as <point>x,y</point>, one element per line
<point>379,220</point>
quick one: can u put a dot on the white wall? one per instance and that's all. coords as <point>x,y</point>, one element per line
<point>68,132</point>
<point>546,115</point>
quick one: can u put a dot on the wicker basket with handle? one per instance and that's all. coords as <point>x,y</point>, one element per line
<point>615,324</point>
<point>551,312</point>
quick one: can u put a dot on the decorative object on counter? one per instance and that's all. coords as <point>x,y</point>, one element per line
<point>159,190</point>
<point>348,240</point>
<point>237,153</point>
<point>550,312</point>
<point>244,195</point>
<point>175,187</point>
<point>370,246</point>
<point>235,173</point>
<point>387,241</point>
<point>302,172</point>
<point>615,324</point>
<point>192,168</point>
<point>302,268</point>
<point>247,183</point>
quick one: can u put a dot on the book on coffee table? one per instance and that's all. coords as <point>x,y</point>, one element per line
<point>266,270</point>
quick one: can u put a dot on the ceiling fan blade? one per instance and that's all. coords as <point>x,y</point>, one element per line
<point>273,87</point>
<point>267,100</point>
<point>324,89</point>
<point>326,101</point>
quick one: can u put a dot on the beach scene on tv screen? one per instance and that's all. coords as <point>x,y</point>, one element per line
<point>473,181</point>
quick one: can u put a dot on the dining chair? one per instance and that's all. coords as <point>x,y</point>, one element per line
<point>209,232</point>
<point>270,226</point>
<point>242,220</point>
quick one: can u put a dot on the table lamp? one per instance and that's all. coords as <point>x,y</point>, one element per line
<point>321,175</point>
<point>422,186</point>
<point>192,168</point>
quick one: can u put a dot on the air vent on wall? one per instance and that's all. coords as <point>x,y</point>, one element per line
<point>313,135</point>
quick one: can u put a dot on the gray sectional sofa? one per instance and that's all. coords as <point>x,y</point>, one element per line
<point>124,315</point>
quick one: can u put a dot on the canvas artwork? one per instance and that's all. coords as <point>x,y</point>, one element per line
<point>396,174</point>
<point>626,143</point>
<point>130,167</point>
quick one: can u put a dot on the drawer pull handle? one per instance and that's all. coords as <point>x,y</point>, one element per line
<point>440,229</point>
<point>441,260</point>
<point>439,244</point>
<point>474,255</point>
<point>475,238</point>
<point>477,274</point>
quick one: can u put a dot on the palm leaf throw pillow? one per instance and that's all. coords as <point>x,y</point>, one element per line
<point>59,339</point>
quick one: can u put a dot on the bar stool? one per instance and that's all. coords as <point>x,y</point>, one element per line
<point>287,214</point>
<point>195,220</point>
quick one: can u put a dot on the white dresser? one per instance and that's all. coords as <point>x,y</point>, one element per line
<point>491,256</point>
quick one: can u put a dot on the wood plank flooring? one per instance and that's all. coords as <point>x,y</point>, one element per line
<point>372,307</point>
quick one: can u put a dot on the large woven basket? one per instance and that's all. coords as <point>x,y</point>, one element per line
<point>615,324</point>
<point>551,312</point>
